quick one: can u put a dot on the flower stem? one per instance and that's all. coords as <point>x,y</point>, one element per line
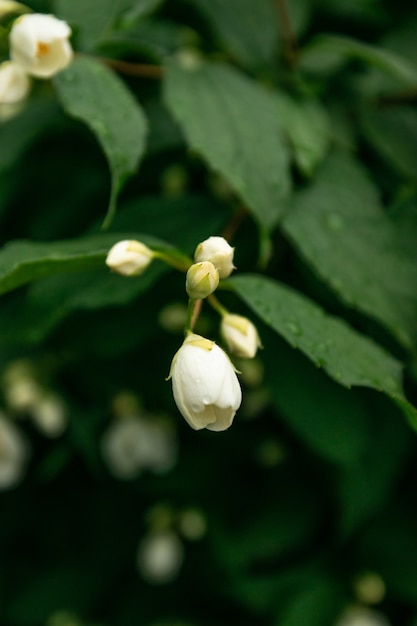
<point>217,306</point>
<point>194,309</point>
<point>178,261</point>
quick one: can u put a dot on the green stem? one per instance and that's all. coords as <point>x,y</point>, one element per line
<point>181,263</point>
<point>194,308</point>
<point>217,306</point>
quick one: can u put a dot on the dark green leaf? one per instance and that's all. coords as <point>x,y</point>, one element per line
<point>22,262</point>
<point>234,124</point>
<point>95,95</point>
<point>335,49</point>
<point>393,134</point>
<point>341,230</point>
<point>92,19</point>
<point>347,356</point>
<point>250,36</point>
<point>307,125</point>
<point>328,418</point>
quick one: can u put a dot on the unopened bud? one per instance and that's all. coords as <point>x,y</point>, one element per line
<point>219,252</point>
<point>129,258</point>
<point>240,335</point>
<point>202,279</point>
<point>14,83</point>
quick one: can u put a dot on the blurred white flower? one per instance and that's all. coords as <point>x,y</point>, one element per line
<point>202,279</point>
<point>360,616</point>
<point>39,43</point>
<point>205,386</point>
<point>240,335</point>
<point>13,454</point>
<point>133,444</point>
<point>160,557</point>
<point>14,83</point>
<point>49,415</point>
<point>219,252</point>
<point>129,258</point>
<point>24,394</point>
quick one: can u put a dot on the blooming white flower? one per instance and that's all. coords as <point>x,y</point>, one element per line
<point>240,335</point>
<point>219,252</point>
<point>205,386</point>
<point>14,83</point>
<point>202,279</point>
<point>160,556</point>
<point>129,258</point>
<point>39,43</point>
<point>134,443</point>
<point>13,454</point>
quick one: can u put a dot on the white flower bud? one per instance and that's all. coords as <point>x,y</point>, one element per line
<point>13,454</point>
<point>205,386</point>
<point>219,252</point>
<point>240,335</point>
<point>202,279</point>
<point>14,83</point>
<point>129,258</point>
<point>160,557</point>
<point>39,43</point>
<point>8,6</point>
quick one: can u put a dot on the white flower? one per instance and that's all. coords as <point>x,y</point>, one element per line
<point>129,258</point>
<point>360,616</point>
<point>202,279</point>
<point>49,414</point>
<point>219,252</point>
<point>240,335</point>
<point>160,556</point>
<point>13,454</point>
<point>14,83</point>
<point>39,43</point>
<point>133,443</point>
<point>205,385</point>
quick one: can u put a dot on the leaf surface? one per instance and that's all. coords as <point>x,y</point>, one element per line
<point>340,228</point>
<point>347,356</point>
<point>93,94</point>
<point>233,123</point>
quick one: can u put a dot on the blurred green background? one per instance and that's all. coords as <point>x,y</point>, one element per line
<point>113,512</point>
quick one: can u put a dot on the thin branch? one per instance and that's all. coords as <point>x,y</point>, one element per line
<point>135,69</point>
<point>287,31</point>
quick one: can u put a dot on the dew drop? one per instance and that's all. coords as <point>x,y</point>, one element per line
<point>293,327</point>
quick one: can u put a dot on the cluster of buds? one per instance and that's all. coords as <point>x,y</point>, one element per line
<point>204,381</point>
<point>39,47</point>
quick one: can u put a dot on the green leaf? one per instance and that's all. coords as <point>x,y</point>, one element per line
<point>22,262</point>
<point>392,132</point>
<point>347,356</point>
<point>308,128</point>
<point>19,133</point>
<point>92,19</point>
<point>233,123</point>
<point>250,36</point>
<point>334,49</point>
<point>339,227</point>
<point>342,430</point>
<point>93,94</point>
